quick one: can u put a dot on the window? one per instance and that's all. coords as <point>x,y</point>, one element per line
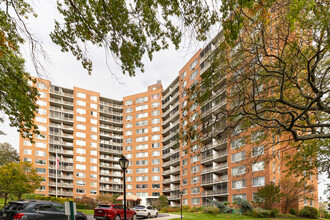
<point>27,143</point>
<point>239,184</point>
<point>41,86</point>
<point>80,191</point>
<point>155,121</point>
<point>40,153</point>
<point>155,145</point>
<point>141,139</point>
<point>141,100</point>
<point>155,129</point>
<point>183,74</point>
<point>41,103</point>
<point>94,113</point>
<point>93,160</point>
<point>257,136</point>
<point>80,167</point>
<point>142,178</point>
<point>193,76</point>
<point>41,137</point>
<point>94,121</point>
<point>81,103</point>
<point>155,113</point>
<point>93,98</point>
<point>94,152</point>
<point>155,178</point>
<point>194,169</point>
<point>80,143</point>
<point>141,107</point>
<point>184,84</point>
<point>194,158</point>
<point>81,119</point>
<point>128,148</point>
<point>81,127</point>
<point>80,134</point>
<point>184,172</point>
<point>155,153</point>
<point>41,145</point>
<point>142,170</point>
<point>142,115</point>
<point>93,168</point>
<point>155,161</point>
<point>237,143</point>
<point>42,128</point>
<point>184,162</point>
<point>41,119</point>
<point>142,146</point>
<point>128,140</point>
<point>155,169</point>
<point>142,131</point>
<point>193,64</point>
<point>141,123</point>
<point>155,105</point>
<point>27,151</point>
<point>242,196</point>
<point>155,97</point>
<point>155,186</point>
<point>81,95</point>
<point>128,102</point>
<point>195,179</point>
<point>155,137</point>
<point>195,190</point>
<point>238,156</point>
<point>195,201</point>
<point>80,151</point>
<point>238,170</point>
<point>258,166</point>
<point>81,111</point>
<point>257,151</point>
<point>42,111</point>
<point>94,137</point>
<point>141,162</point>
<point>81,175</point>
<point>128,125</point>
<point>94,106</point>
<point>94,145</point>
<point>80,159</point>
<point>81,182</point>
<point>40,162</point>
<point>129,117</point>
<point>94,129</point>
<point>258,181</point>
<point>41,170</point>
<point>184,182</point>
<point>129,110</point>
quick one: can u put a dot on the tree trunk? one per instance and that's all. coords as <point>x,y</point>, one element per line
<point>19,196</point>
<point>6,197</point>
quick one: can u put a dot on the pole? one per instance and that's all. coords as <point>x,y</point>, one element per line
<point>124,195</point>
<point>71,211</point>
<point>181,204</point>
<point>56,172</point>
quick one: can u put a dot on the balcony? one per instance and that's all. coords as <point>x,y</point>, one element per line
<point>111,105</point>
<point>170,109</point>
<point>215,144</point>
<point>171,144</point>
<point>64,185</point>
<point>60,101</point>
<point>215,181</point>
<point>173,179</point>
<point>61,176</point>
<point>173,115</point>
<point>64,168</point>
<point>171,171</point>
<point>215,156</point>
<point>62,160</point>
<point>172,161</point>
<point>170,127</point>
<point>102,118</point>
<point>108,158</point>
<point>61,151</point>
<point>172,134</point>
<point>170,153</point>
<point>215,168</point>
<point>174,197</point>
<point>111,174</point>
<point>59,92</point>
<point>110,189</point>
<point>214,108</point>
<point>111,127</point>
<point>60,193</point>
<point>173,88</point>
<point>169,189</point>
<point>107,150</point>
<point>217,192</point>
<point>171,100</point>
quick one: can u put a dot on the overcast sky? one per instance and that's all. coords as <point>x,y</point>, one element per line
<point>64,70</point>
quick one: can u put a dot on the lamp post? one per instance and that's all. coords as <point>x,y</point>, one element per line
<point>123,162</point>
<point>181,193</point>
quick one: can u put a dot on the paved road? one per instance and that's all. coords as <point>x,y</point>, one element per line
<point>162,216</point>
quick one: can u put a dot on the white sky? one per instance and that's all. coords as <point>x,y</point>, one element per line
<point>65,71</point>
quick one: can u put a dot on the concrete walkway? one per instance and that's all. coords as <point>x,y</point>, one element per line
<point>162,216</point>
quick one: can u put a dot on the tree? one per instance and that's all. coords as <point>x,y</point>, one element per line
<point>160,202</point>
<point>269,195</point>
<point>8,154</point>
<point>292,191</point>
<point>17,179</point>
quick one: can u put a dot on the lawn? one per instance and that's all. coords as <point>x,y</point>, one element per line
<point>86,211</point>
<point>206,216</point>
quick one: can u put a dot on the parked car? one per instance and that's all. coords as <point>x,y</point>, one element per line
<point>36,210</point>
<point>145,211</point>
<point>113,212</point>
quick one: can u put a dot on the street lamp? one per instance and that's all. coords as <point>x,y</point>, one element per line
<point>123,162</point>
<point>181,193</point>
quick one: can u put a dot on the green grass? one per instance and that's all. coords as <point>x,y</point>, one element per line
<point>86,211</point>
<point>206,216</point>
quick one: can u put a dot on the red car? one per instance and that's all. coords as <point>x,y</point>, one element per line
<point>113,212</point>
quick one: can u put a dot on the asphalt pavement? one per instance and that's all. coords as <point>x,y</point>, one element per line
<point>161,216</point>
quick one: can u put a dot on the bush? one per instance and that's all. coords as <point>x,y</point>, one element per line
<point>222,207</point>
<point>186,208</point>
<point>211,209</point>
<point>274,212</point>
<point>245,205</point>
<point>293,211</point>
<point>170,209</point>
<point>286,216</point>
<point>260,213</point>
<point>309,212</point>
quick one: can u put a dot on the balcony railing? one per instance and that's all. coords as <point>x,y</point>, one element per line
<point>61,193</point>
<point>214,181</point>
<point>168,180</point>
<point>168,189</point>
<point>171,170</point>
<point>215,192</point>
<point>171,162</point>
<point>215,156</point>
<point>215,168</point>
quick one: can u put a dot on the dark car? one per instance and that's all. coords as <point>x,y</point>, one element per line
<point>113,212</point>
<point>36,210</point>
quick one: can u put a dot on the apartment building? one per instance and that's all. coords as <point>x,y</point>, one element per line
<point>85,131</point>
<point>90,132</point>
<point>142,142</point>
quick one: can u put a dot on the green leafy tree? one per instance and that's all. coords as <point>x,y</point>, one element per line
<point>160,202</point>
<point>8,154</point>
<point>17,179</point>
<point>269,195</point>
<point>293,190</point>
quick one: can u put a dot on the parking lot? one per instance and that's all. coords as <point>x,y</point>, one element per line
<point>161,216</point>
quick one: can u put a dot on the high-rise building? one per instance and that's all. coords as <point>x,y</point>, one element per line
<point>89,133</point>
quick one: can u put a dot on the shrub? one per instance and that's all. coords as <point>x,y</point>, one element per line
<point>274,212</point>
<point>286,216</point>
<point>86,202</point>
<point>211,209</point>
<point>293,211</point>
<point>260,213</point>
<point>170,209</point>
<point>244,204</point>
<point>309,212</point>
<point>226,203</point>
<point>186,208</point>
<point>222,207</point>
